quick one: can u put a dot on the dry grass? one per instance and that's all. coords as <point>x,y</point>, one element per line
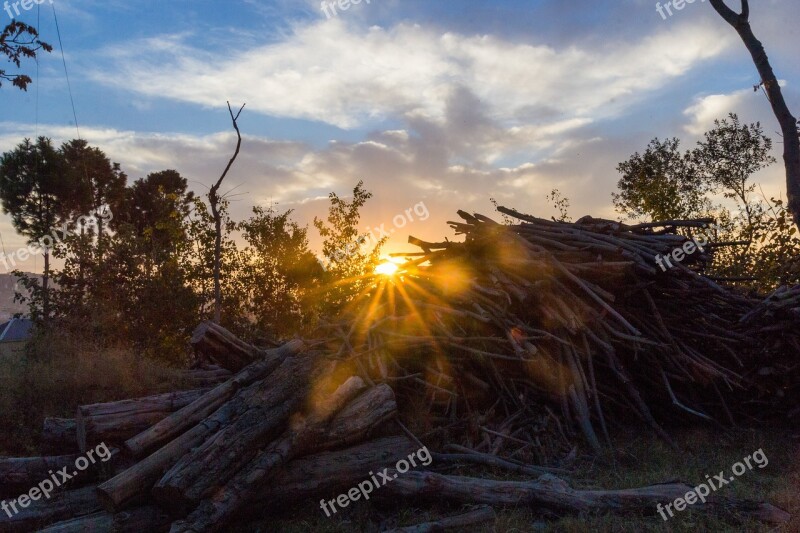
<point>60,375</point>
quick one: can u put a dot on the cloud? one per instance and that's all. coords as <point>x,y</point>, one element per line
<point>334,72</point>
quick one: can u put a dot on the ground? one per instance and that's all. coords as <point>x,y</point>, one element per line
<point>31,390</point>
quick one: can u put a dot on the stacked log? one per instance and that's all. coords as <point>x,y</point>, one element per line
<point>510,346</point>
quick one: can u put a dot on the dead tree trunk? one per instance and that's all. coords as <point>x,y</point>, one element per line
<point>61,506</point>
<point>212,514</point>
<point>117,421</point>
<point>263,411</point>
<point>20,474</point>
<point>59,435</point>
<point>215,343</point>
<point>213,199</point>
<point>182,420</point>
<point>787,121</point>
<point>551,493</point>
<point>129,485</point>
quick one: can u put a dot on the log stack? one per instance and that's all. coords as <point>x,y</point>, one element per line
<point>508,348</point>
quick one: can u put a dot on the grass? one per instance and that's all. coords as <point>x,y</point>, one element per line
<point>60,375</point>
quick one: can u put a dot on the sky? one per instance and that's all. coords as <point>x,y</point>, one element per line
<point>437,105</point>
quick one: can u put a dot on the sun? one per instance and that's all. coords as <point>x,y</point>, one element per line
<point>387,268</point>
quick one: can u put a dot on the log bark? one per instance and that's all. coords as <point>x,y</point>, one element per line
<point>148,519</point>
<point>192,414</point>
<point>369,410</point>
<point>129,486</point>
<point>59,435</point>
<point>205,377</point>
<point>469,519</point>
<point>214,343</point>
<point>115,422</point>
<point>262,415</point>
<point>326,474</point>
<point>552,493</point>
<point>101,521</point>
<point>61,506</point>
<point>18,475</point>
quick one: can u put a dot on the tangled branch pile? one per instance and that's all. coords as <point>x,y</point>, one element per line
<point>508,348</point>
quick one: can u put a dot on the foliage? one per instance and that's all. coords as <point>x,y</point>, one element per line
<point>349,265</point>
<point>19,41</point>
<point>715,179</point>
<point>661,184</point>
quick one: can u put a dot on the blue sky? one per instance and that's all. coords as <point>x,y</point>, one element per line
<point>442,102</point>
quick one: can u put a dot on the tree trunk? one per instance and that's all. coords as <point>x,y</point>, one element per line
<point>200,378</point>
<point>306,435</point>
<point>115,422</point>
<point>61,506</point>
<point>787,121</point>
<point>182,420</point>
<point>101,521</point>
<point>18,475</point>
<point>131,484</point>
<point>215,343</point>
<point>326,474</point>
<point>59,435</point>
<point>263,411</point>
<point>149,518</point>
<point>549,492</point>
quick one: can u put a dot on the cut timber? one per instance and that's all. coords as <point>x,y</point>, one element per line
<point>195,412</point>
<point>549,492</point>
<point>133,483</point>
<point>117,421</point>
<point>205,377</point>
<point>101,521</point>
<point>215,343</point>
<point>326,474</point>
<point>212,514</point>
<point>150,519</point>
<point>474,517</point>
<point>18,475</point>
<point>61,506</point>
<point>263,411</point>
<point>59,435</point>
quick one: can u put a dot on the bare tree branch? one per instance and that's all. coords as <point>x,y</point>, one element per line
<point>213,199</point>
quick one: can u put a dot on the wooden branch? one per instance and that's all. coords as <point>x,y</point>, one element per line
<point>62,506</point>
<point>551,493</point>
<point>59,435</point>
<point>185,418</point>
<point>115,422</point>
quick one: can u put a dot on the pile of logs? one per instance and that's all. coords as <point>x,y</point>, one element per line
<point>504,350</point>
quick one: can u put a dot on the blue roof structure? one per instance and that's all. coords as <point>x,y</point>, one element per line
<point>16,329</point>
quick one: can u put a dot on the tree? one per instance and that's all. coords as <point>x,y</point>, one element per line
<point>213,199</point>
<point>32,191</point>
<point>348,263</point>
<point>729,156</point>
<point>20,41</point>
<point>791,139</point>
<point>662,183</point>
<point>275,274</point>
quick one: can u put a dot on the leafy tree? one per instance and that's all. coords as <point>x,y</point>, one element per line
<point>348,263</point>
<point>32,190</point>
<point>95,182</point>
<point>19,41</point>
<point>276,274</point>
<point>661,184</point>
